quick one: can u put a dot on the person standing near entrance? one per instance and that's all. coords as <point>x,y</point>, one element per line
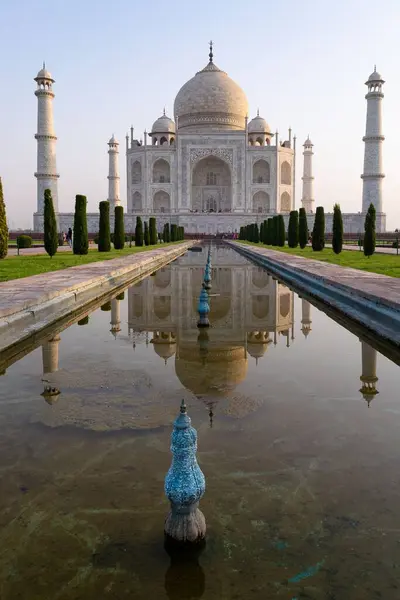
<point>69,237</point>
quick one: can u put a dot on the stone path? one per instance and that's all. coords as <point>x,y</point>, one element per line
<point>30,303</point>
<point>387,250</point>
<point>40,250</point>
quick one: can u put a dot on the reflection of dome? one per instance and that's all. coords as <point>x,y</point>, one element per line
<point>257,350</point>
<point>163,125</point>
<point>211,99</point>
<point>165,351</point>
<point>215,374</point>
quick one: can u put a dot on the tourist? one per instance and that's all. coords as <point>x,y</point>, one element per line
<point>69,237</point>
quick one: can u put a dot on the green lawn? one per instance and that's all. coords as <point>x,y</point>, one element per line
<point>15,267</point>
<point>386,264</point>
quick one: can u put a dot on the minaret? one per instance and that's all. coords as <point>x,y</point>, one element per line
<point>305,317</point>
<point>46,175</point>
<point>308,179</point>
<point>368,376</point>
<point>50,355</point>
<point>373,176</point>
<point>115,317</point>
<point>113,175</point>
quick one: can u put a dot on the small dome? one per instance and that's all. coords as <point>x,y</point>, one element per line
<point>163,125</point>
<point>258,125</point>
<point>257,350</point>
<point>308,142</point>
<point>113,140</point>
<point>375,76</point>
<point>44,74</point>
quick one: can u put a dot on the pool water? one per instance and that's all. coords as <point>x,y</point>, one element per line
<point>302,487</point>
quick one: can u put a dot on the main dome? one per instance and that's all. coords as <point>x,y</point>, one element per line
<point>211,100</point>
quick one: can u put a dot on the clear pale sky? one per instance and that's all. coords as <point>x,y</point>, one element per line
<point>118,63</point>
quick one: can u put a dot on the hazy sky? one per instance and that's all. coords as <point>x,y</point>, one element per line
<point>303,63</point>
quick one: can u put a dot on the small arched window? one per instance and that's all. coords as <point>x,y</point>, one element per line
<point>211,179</point>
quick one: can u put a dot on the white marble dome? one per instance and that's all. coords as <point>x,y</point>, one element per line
<point>375,76</point>
<point>163,125</point>
<point>211,100</point>
<point>44,74</point>
<point>258,125</point>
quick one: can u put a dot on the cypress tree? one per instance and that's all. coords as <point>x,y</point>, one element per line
<point>293,229</point>
<point>173,233</point>
<point>241,233</point>
<point>256,234</point>
<point>337,230</point>
<point>119,229</point>
<point>369,227</point>
<point>139,232</point>
<point>268,232</point>
<point>167,236</point>
<point>50,225</point>
<point>262,232</point>
<point>80,241</point>
<point>3,225</point>
<point>153,231</point>
<point>275,231</point>
<point>318,234</point>
<point>104,244</point>
<point>265,227</point>
<point>281,231</point>
<point>146,235</point>
<point>303,228</point>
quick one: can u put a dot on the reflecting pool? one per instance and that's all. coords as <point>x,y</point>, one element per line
<point>298,425</point>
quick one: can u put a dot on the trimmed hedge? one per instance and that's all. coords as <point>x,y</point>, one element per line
<point>369,227</point>
<point>337,230</point>
<point>50,225</point>
<point>3,225</point>
<point>146,235</point>
<point>303,228</point>
<point>80,237</point>
<point>318,234</point>
<point>119,230</point>
<point>24,241</point>
<point>104,243</point>
<point>139,232</point>
<point>293,229</point>
<point>153,231</point>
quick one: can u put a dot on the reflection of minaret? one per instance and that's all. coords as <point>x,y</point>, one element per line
<point>115,317</point>
<point>368,377</point>
<point>305,317</point>
<point>50,355</point>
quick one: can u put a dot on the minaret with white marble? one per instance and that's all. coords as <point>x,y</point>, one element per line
<point>46,174</point>
<point>307,199</point>
<point>373,176</point>
<point>113,175</point>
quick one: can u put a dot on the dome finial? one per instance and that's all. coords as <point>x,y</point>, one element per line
<point>44,65</point>
<point>375,68</point>
<point>164,112</point>
<point>258,112</point>
<point>211,55</point>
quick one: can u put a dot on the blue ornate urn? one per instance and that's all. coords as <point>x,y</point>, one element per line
<point>203,308</point>
<point>184,484</point>
<point>207,277</point>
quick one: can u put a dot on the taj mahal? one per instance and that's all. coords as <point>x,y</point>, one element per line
<point>211,169</point>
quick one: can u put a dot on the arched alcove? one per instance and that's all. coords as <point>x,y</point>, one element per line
<point>136,172</point>
<point>211,186</point>
<point>284,305</point>
<point>136,201</point>
<point>260,306</point>
<point>161,202</point>
<point>261,202</point>
<point>261,172</point>
<point>285,202</point>
<point>286,173</point>
<point>162,306</point>
<point>161,171</point>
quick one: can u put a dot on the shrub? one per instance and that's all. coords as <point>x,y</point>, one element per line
<point>80,237</point>
<point>167,234</point>
<point>139,232</point>
<point>318,234</point>
<point>173,233</point>
<point>84,320</point>
<point>337,230</point>
<point>3,225</point>
<point>261,235</point>
<point>50,225</point>
<point>146,235</point>
<point>293,229</point>
<point>104,227</point>
<point>241,233</point>
<point>119,230</point>
<point>153,231</point>
<point>369,228</point>
<point>268,232</point>
<point>265,232</point>
<point>275,231</point>
<point>256,235</point>
<point>303,228</point>
<point>24,241</point>
<point>281,233</point>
